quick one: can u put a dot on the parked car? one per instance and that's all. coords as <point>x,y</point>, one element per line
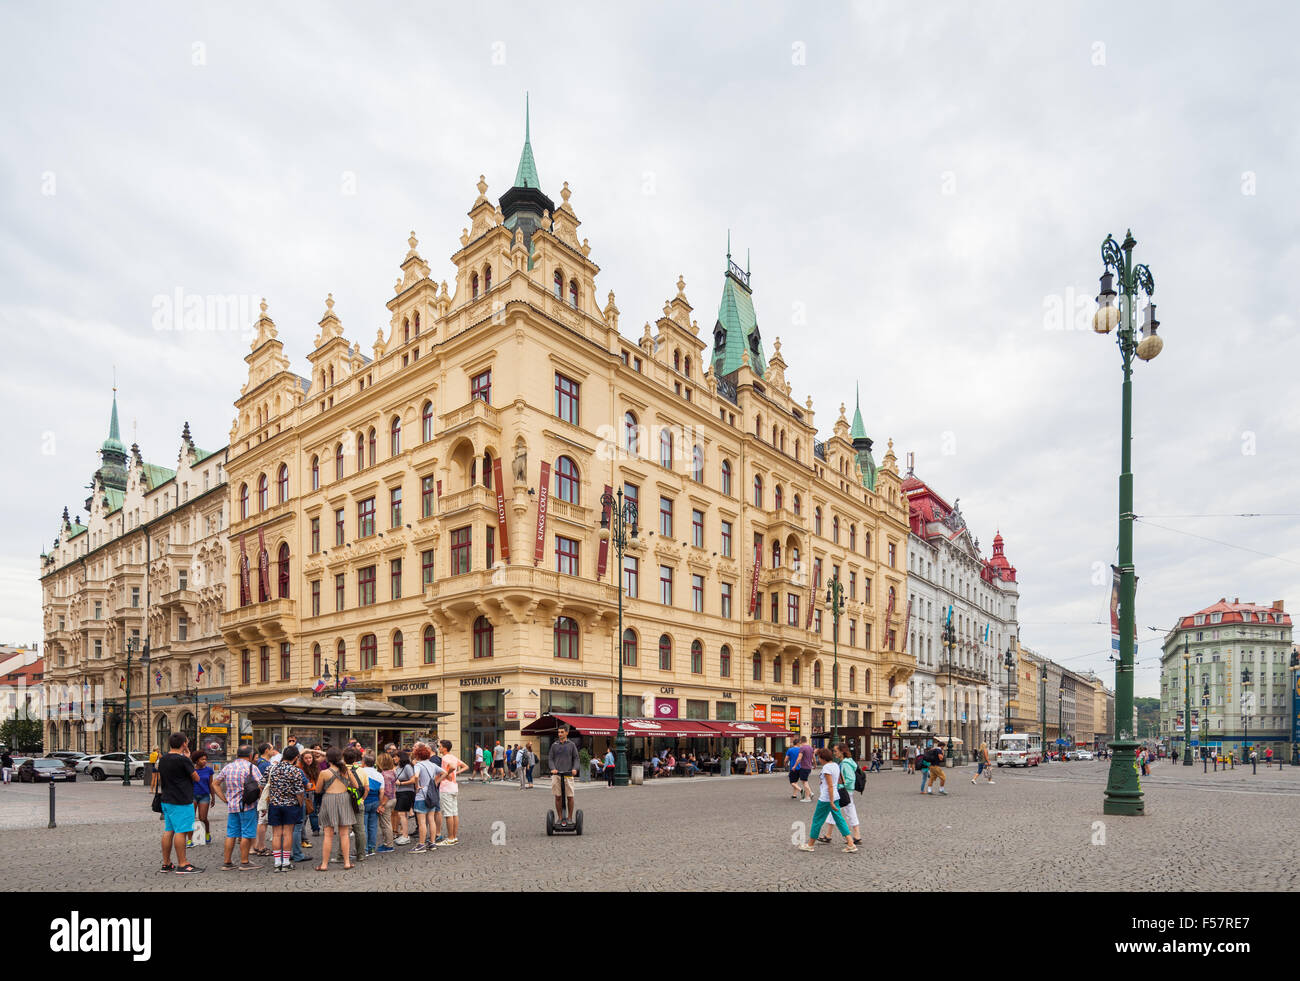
<point>111,765</point>
<point>1084,754</point>
<point>37,771</point>
<point>70,758</point>
<point>18,762</point>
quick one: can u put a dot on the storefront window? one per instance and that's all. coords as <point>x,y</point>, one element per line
<point>697,709</point>
<point>566,702</point>
<point>726,711</point>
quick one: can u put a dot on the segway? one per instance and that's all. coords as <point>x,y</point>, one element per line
<point>554,827</point>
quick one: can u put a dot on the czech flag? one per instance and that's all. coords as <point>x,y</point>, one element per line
<point>200,674</point>
<point>121,683</point>
<point>157,677</point>
<point>319,686</point>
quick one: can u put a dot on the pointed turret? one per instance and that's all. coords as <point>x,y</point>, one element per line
<point>862,444</point>
<point>524,204</point>
<point>736,331</point>
<point>112,472</point>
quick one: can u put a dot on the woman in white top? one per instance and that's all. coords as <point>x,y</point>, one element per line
<point>828,804</point>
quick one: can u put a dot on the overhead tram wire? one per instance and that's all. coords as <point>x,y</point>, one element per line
<point>1215,541</point>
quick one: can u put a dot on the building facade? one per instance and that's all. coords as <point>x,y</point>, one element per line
<point>147,567</point>
<point>1239,662</point>
<point>426,520</point>
<point>945,569</point>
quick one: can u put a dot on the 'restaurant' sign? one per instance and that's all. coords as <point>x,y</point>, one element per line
<point>480,681</point>
<point>543,500</point>
<point>501,509</point>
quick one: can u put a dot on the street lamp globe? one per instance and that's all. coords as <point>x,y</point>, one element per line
<point>1150,345</point>
<point>1106,318</point>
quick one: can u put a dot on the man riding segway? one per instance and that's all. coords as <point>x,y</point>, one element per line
<point>563,760</point>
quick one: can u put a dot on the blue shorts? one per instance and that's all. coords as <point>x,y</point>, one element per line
<point>178,818</point>
<point>202,798</point>
<point>422,808</point>
<point>282,814</point>
<point>242,824</point>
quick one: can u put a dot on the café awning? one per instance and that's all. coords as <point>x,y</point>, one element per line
<point>742,730</point>
<point>607,725</point>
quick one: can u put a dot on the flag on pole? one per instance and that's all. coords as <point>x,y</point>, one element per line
<point>319,686</point>
<point>121,683</point>
<point>200,674</point>
<point>157,677</point>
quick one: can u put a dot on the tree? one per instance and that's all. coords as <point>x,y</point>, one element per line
<point>22,734</point>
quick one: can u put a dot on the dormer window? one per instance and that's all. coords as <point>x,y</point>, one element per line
<point>719,338</point>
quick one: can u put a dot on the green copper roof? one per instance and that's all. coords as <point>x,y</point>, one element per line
<point>114,441</point>
<point>739,325</point>
<point>156,476</point>
<point>859,430</point>
<point>526,175</point>
<point>114,498</point>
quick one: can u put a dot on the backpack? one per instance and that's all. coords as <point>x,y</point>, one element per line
<point>860,780</point>
<point>252,789</point>
<point>431,790</point>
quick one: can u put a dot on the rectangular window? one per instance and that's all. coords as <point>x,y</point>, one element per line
<point>338,592</point>
<point>697,593</point>
<point>866,590</point>
<point>666,585</point>
<point>99,610</point>
<point>284,661</point>
<point>135,597</point>
<point>480,387</point>
<point>726,539</point>
<point>792,609</point>
<point>697,528</point>
<point>566,398</point>
<point>366,518</point>
<point>726,600</point>
<point>245,668</point>
<point>395,577</point>
<point>264,664</point>
<point>666,517</point>
<point>491,548</point>
<point>726,711</point>
<point>183,579</point>
<point>566,556</point>
<point>338,527</point>
<point>182,628</point>
<point>631,576</point>
<point>853,586</point>
<point>315,535</point>
<point>426,567</point>
<point>461,550</point>
<point>366,586</point>
<point>427,490</point>
<point>817,622</point>
<point>853,633</point>
<point>776,607</point>
<point>892,549</point>
<point>315,598</point>
<point>395,507</point>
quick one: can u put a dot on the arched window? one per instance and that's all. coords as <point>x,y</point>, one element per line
<point>371,440</point>
<point>430,646</point>
<point>243,501</point>
<point>756,664</point>
<point>776,555</point>
<point>853,679</point>
<point>629,643</point>
<point>866,681</point>
<point>665,653</point>
<point>853,537</point>
<point>773,435</point>
<point>776,670</point>
<point>487,278</point>
<point>315,660</point>
<point>677,361</point>
<point>417,323</point>
<point>398,649</point>
<point>697,465</point>
<point>573,293</point>
<point>473,286</point>
<point>758,425</point>
<point>566,638</point>
<point>566,480</point>
<point>724,661</point>
<point>315,473</point>
<point>341,657</point>
<point>282,484</point>
<point>891,600</point>
<point>395,437</point>
<point>697,657</point>
<point>758,491</point>
<point>406,330</point>
<point>482,637</point>
<point>794,557</point>
<point>631,441</point>
<point>688,366</point>
<point>263,493</point>
<point>782,440</point>
<point>795,671</point>
<point>559,285</point>
<point>796,449</point>
<point>361,451</point>
<point>796,506</point>
<point>817,521</point>
<point>726,477</point>
<point>426,422</point>
<point>665,449</point>
<point>778,497</point>
<point>331,374</point>
<point>338,461</point>
<point>835,529</point>
<point>487,470</point>
<point>282,570</point>
<point>369,652</point>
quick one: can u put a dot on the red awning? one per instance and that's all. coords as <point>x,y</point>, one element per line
<point>741,730</point>
<point>606,725</point>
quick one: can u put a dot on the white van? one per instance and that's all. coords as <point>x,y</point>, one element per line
<point>1020,749</point>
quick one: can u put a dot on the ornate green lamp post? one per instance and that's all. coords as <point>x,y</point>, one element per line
<point>835,603</point>
<point>1010,661</point>
<point>126,761</point>
<point>1123,795</point>
<point>949,641</point>
<point>1295,706</point>
<point>618,520</point>
<point>1187,706</point>
<point>1245,712</point>
<point>1042,707</point>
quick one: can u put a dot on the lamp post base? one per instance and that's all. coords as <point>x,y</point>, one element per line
<point>1187,755</point>
<point>620,761</point>
<point>1123,791</point>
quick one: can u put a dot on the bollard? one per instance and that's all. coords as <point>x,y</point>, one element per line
<point>1253,765</point>
<point>52,824</point>
<point>1205,765</point>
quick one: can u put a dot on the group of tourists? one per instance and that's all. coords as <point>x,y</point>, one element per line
<point>505,763</point>
<point>360,804</point>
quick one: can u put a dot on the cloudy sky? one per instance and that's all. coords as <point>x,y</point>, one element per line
<point>921,189</point>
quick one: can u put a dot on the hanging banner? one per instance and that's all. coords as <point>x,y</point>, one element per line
<point>778,715</point>
<point>812,601</point>
<point>605,520</point>
<point>245,597</point>
<point>543,499</point>
<point>263,568</point>
<point>907,624</point>
<point>760,713</point>
<point>501,509</point>
<point>440,488</point>
<point>1114,610</point>
<point>753,591</point>
<point>793,724</point>
<point>889,612</point>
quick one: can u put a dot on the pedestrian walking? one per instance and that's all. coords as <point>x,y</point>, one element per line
<point>933,757</point>
<point>265,756</point>
<point>314,764</point>
<point>427,802</point>
<point>387,802</point>
<point>792,767</point>
<point>406,783</point>
<point>848,780</point>
<point>478,762</point>
<point>176,781</point>
<point>805,763</point>
<point>286,802</point>
<point>336,810</point>
<point>307,773</point>
<point>828,805</point>
<point>876,762</point>
<point>239,786</point>
<point>6,766</point>
<point>449,792</point>
<point>373,802</point>
<point>487,764</point>
<point>357,787</point>
<point>609,767</point>
<point>202,793</point>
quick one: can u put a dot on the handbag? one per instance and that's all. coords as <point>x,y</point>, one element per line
<point>252,791</point>
<point>156,806</point>
<point>845,799</point>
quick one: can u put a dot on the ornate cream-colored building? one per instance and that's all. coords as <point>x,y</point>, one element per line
<point>147,565</point>
<point>425,519</point>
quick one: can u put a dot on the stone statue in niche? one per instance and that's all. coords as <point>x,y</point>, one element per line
<point>521,464</point>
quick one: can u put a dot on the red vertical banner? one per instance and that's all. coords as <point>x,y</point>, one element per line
<point>753,590</point>
<point>245,597</point>
<point>440,488</point>
<point>263,568</point>
<point>907,624</point>
<point>605,520</point>
<point>543,500</point>
<point>812,601</point>
<point>501,509</point>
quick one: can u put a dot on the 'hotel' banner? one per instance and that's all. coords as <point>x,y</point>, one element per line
<point>603,559</point>
<point>501,509</point>
<point>244,597</point>
<point>753,592</point>
<point>543,499</point>
<point>907,624</point>
<point>263,567</point>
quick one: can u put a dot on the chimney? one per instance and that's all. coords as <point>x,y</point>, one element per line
<point>1236,600</point>
<point>1279,605</point>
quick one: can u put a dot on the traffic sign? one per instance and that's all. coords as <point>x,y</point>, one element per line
<point>1008,728</point>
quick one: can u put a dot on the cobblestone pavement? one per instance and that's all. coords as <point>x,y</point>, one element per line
<point>1041,829</point>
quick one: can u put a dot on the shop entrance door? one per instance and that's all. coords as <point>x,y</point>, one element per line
<point>483,721</point>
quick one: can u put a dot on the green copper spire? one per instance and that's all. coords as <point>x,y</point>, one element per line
<point>736,331</point>
<point>526,175</point>
<point>859,430</point>
<point>112,454</point>
<point>114,441</point>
